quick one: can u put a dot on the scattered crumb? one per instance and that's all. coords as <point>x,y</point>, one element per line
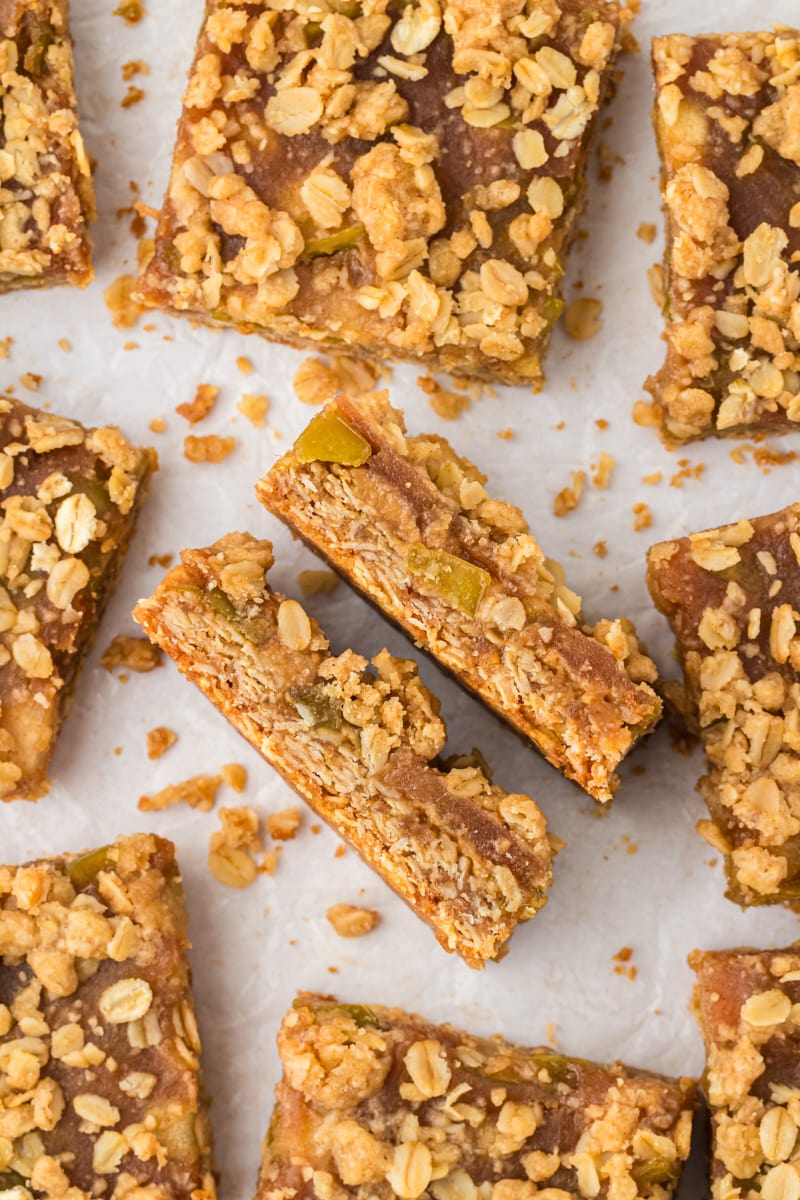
<point>655,278</point>
<point>159,741</point>
<point>131,11</point>
<point>30,381</point>
<point>317,381</point>
<point>199,408</point>
<point>646,232</point>
<point>642,517</point>
<point>607,160</point>
<point>550,1034</point>
<point>134,653</point>
<point>118,750</point>
<point>340,851</point>
<point>601,423</point>
<point>601,476</point>
<point>5,346</point>
<point>622,957</point>
<point>125,311</point>
<point>255,408</point>
<point>686,472</point>
<point>284,825</point>
<point>567,499</point>
<point>350,922</point>
<point>582,318</point>
<point>65,344</point>
<point>159,560</point>
<point>269,863</point>
<point>135,67</point>
<point>645,414</point>
<point>656,477</point>
<point>208,449</point>
<point>600,549</point>
<point>244,365</point>
<point>505,434</point>
<point>765,457</point>
<point>315,828</point>
<point>231,849</point>
<point>134,95</point>
<point>317,583</point>
<point>158,425</point>
<point>131,346</point>
<point>447,405</point>
<point>235,775</point>
<point>198,792</point>
<point>561,425</point>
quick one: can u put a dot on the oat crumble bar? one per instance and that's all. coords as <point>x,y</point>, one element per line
<point>100,1091</point>
<point>395,181</point>
<point>69,499</point>
<point>356,743</point>
<point>747,1003</point>
<point>732,596</point>
<point>378,1103</point>
<point>410,523</point>
<point>46,189</point>
<point>727,115</point>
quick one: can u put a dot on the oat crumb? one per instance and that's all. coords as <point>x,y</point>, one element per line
<point>125,311</point>
<point>159,560</point>
<point>600,549</point>
<point>283,825</point>
<point>646,415</point>
<point>642,517</point>
<point>199,792</point>
<point>235,775</point>
<point>158,425</point>
<point>505,434</point>
<point>255,408</point>
<point>317,583</point>
<point>340,851</point>
<point>30,381</point>
<point>351,922</point>
<point>131,11</point>
<point>656,477</point>
<point>601,476</point>
<point>231,849</point>
<point>134,95</point>
<point>198,409</point>
<point>133,653</point>
<point>568,498</point>
<point>646,232</point>
<point>655,279</point>
<point>159,741</point>
<point>244,365</point>
<point>316,381</point>
<point>65,344</point>
<point>447,405</point>
<point>601,423</point>
<point>208,449</point>
<point>135,67</point>
<point>582,318</point>
<point>551,1035</point>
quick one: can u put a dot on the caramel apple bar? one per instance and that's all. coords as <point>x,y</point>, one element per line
<point>396,181</point>
<point>732,596</point>
<point>726,119</point>
<point>69,498</point>
<point>99,1049</point>
<point>377,1103</point>
<point>409,522</point>
<point>356,742</point>
<point>747,1003</point>
<point>46,189</point>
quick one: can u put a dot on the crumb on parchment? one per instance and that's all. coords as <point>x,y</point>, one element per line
<point>316,381</point>
<point>642,517</point>
<point>159,741</point>
<point>283,825</point>
<point>569,497</point>
<point>255,408</point>
<point>198,409</point>
<point>351,922</point>
<point>231,849</point>
<point>447,405</point>
<point>235,775</point>
<point>198,792</point>
<point>134,653</point>
<point>601,475</point>
<point>208,449</point>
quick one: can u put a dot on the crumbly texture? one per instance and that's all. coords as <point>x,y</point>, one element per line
<point>99,1049</point>
<point>377,1103</point>
<point>355,742</point>
<point>748,1005</point>
<point>69,499</point>
<point>413,527</point>
<point>46,189</point>
<point>733,598</point>
<point>393,181</point>
<point>726,116</point>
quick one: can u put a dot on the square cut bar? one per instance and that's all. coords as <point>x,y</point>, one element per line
<point>69,498</point>
<point>396,181</point>
<point>732,596</point>
<point>356,744</point>
<point>410,523</point>
<point>99,1050</point>
<point>377,1103</point>
<point>46,189</point>
<point>726,117</point>
<point>747,1003</point>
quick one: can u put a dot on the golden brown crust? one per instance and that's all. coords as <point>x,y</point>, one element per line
<point>377,1103</point>
<point>748,1006</point>
<point>470,859</point>
<point>732,596</point>
<point>726,115</point>
<point>46,189</point>
<point>99,1070</point>
<point>578,693</point>
<point>401,181</point>
<point>69,498</point>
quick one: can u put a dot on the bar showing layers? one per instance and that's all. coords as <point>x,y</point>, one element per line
<point>732,596</point>
<point>409,522</point>
<point>377,1103</point>
<point>100,1088</point>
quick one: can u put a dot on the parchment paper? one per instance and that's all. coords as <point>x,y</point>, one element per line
<point>254,949</point>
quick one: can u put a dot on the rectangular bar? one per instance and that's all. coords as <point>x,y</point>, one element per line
<point>393,181</point>
<point>99,1050</point>
<point>746,1002</point>
<point>725,116</point>
<point>356,743</point>
<point>46,189</point>
<point>69,499</point>
<point>732,596</point>
<point>409,522</point>
<point>376,1102</point>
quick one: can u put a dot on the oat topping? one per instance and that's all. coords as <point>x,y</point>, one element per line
<point>733,598</point>
<point>411,524</point>
<point>375,1102</point>
<point>400,181</point>
<point>726,117</point>
<point>99,1048</point>
<point>68,503</point>
<point>747,1003</point>
<point>46,190</point>
<point>355,740</point>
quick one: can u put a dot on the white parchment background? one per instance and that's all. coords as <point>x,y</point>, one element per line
<point>253,950</point>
